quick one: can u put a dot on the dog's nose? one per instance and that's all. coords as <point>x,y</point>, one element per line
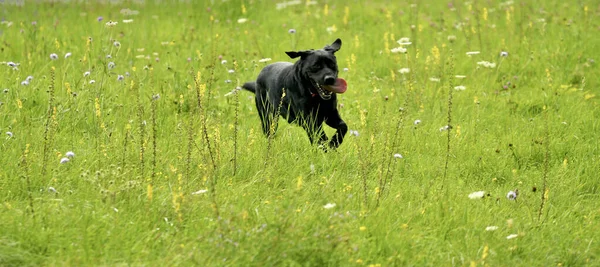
<point>329,80</point>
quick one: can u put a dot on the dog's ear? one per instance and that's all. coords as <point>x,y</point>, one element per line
<point>335,46</point>
<point>302,54</point>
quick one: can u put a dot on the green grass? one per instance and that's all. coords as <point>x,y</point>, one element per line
<point>126,197</point>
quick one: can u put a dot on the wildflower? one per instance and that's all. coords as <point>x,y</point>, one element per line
<point>398,156</point>
<point>127,73</point>
<point>52,190</point>
<point>29,78</point>
<point>70,154</point>
<point>404,70</point>
<point>140,56</point>
<point>156,97</point>
<point>401,50</point>
<point>117,44</point>
<point>223,62</point>
<point>353,132</point>
<point>487,64</point>
<point>231,71</point>
<point>292,31</point>
<point>12,64</point>
<point>435,79</point>
<point>331,29</point>
<point>92,81</point>
<point>451,38</point>
<point>460,88</point>
<point>10,134</point>
<point>68,55</point>
<point>477,195</point>
<point>512,195</point>
<point>235,90</point>
<point>87,73</point>
<point>265,60</point>
<point>242,20</point>
<point>25,83</point>
<point>504,54</point>
<point>127,20</point>
<point>512,236</point>
<point>108,56</point>
<point>473,53</point>
<point>491,228</point>
<point>64,160</point>
<point>5,91</point>
<point>404,41</point>
<point>53,56</point>
<point>111,24</point>
<point>345,69</point>
<point>199,192</point>
<point>111,65</point>
<point>120,77</point>
<point>227,81</point>
<point>460,76</point>
<point>417,122</point>
<point>115,209</point>
<point>100,18</point>
<point>329,206</point>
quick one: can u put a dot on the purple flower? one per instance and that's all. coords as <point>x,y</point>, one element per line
<point>100,18</point>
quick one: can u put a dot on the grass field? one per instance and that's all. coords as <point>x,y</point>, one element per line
<point>128,145</point>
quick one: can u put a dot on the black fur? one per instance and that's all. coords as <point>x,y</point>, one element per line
<point>302,104</point>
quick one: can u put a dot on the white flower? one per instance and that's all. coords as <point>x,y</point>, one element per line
<point>127,20</point>
<point>140,56</point>
<point>120,77</point>
<point>345,69</point>
<point>111,65</point>
<point>435,79</point>
<point>353,132</point>
<point>53,56</point>
<point>156,97</point>
<point>64,160</point>
<point>504,54</point>
<point>231,71</point>
<point>329,206</point>
<point>473,53</point>
<point>487,64</point>
<point>401,50</point>
<point>477,195</point>
<point>29,78</point>
<point>10,134</point>
<point>52,190</point>
<point>68,55</point>
<point>451,38</point>
<point>199,192</point>
<point>491,228</point>
<point>108,56</point>
<point>417,122</point>
<point>111,24</point>
<point>512,236</point>
<point>460,76</point>
<point>512,195</point>
<point>460,88</point>
<point>25,83</point>
<point>265,60</point>
<point>70,154</point>
<point>404,41</point>
<point>223,62</point>
<point>242,20</point>
<point>115,209</point>
<point>92,81</point>
<point>292,31</point>
<point>5,91</point>
<point>404,70</point>
<point>12,64</point>
<point>117,44</point>
<point>398,156</point>
<point>87,73</point>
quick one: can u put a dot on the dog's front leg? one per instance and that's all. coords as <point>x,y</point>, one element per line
<point>337,123</point>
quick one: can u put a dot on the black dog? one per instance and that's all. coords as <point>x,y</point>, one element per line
<point>310,87</point>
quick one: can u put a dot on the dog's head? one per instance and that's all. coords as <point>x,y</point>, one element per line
<point>320,67</point>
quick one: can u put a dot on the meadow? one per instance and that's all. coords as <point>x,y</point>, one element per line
<point>473,135</point>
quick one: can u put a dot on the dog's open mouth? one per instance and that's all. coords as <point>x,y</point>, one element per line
<point>325,91</point>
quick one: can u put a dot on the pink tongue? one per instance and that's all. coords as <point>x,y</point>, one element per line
<point>339,87</point>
